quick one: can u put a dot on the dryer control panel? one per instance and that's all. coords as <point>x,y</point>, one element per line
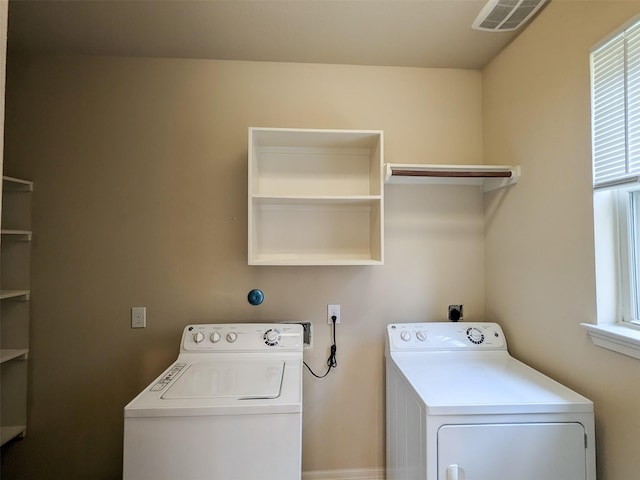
<point>242,337</point>
<point>445,336</point>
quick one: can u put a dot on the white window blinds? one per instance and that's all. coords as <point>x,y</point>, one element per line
<point>615,81</point>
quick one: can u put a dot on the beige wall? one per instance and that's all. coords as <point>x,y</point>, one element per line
<point>140,200</point>
<point>539,236</point>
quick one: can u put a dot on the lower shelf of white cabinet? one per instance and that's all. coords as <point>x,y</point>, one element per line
<point>314,259</point>
<point>9,432</point>
<point>328,231</point>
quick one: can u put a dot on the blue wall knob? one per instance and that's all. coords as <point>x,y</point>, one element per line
<point>255,297</point>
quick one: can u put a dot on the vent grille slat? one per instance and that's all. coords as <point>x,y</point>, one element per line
<point>506,15</point>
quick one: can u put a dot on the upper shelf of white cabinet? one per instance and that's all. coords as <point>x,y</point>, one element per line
<point>490,177</point>
<point>303,163</point>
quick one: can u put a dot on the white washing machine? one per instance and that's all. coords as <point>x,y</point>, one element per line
<point>229,408</point>
<point>459,407</point>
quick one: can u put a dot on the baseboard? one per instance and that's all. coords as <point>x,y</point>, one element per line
<point>348,474</point>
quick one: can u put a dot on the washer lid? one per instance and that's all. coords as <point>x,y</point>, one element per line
<point>238,379</point>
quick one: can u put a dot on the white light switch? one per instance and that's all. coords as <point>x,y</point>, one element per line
<point>138,317</point>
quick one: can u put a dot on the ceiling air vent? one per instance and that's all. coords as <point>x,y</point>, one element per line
<point>506,15</point>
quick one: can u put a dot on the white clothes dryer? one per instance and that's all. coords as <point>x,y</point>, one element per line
<point>229,408</point>
<point>460,407</point>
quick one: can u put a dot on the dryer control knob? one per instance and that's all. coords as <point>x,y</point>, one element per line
<point>232,337</point>
<point>421,336</point>
<point>475,335</point>
<point>271,337</point>
<point>406,336</point>
<point>215,337</point>
<point>198,337</point>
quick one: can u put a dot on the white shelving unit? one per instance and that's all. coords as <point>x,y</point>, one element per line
<point>14,326</point>
<point>315,197</point>
<point>24,235</point>
<point>9,354</point>
<point>489,177</point>
<point>16,184</point>
<point>15,294</point>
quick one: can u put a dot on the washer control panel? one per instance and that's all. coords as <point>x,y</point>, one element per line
<point>168,376</point>
<point>445,336</point>
<point>242,337</point>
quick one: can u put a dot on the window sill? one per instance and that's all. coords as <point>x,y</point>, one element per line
<point>616,337</point>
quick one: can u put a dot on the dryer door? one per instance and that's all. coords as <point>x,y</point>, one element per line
<point>527,451</point>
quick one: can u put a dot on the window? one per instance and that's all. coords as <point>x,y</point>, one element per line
<point>615,107</point>
<point>627,208</point>
<point>615,82</point>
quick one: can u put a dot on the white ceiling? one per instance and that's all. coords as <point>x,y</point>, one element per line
<point>416,33</point>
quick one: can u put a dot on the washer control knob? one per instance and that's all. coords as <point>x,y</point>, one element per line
<point>215,337</point>
<point>198,337</point>
<point>420,335</point>
<point>406,336</point>
<point>232,337</point>
<point>271,337</point>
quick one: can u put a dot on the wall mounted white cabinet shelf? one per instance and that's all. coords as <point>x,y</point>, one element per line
<point>315,197</point>
<point>14,326</point>
<point>490,177</point>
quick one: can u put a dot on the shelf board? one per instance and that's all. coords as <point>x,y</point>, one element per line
<point>9,432</point>
<point>490,177</point>
<point>8,354</point>
<point>15,294</point>
<point>17,184</point>
<point>24,235</point>
<point>314,260</point>
<point>292,138</point>
<point>314,199</point>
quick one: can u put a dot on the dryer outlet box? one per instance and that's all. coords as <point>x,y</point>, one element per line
<point>455,313</point>
<point>306,333</point>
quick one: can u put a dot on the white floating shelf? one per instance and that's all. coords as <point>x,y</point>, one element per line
<point>490,177</point>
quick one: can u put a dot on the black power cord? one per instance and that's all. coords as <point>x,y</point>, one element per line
<point>331,361</point>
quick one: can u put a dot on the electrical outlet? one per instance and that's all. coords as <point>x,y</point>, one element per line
<point>333,311</point>
<point>138,317</point>
<point>455,313</point>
